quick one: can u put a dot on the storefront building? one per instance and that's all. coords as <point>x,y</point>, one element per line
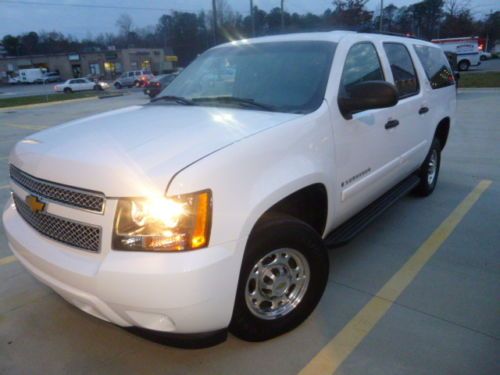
<point>106,64</point>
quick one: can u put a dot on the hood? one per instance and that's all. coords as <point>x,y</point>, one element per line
<point>136,150</point>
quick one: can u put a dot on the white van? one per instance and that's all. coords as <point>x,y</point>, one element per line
<point>212,207</point>
<point>31,75</point>
<point>467,50</point>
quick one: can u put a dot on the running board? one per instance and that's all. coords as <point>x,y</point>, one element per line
<point>347,231</point>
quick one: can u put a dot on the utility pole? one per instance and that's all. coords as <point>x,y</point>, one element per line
<point>252,17</point>
<point>214,21</point>
<point>381,15</point>
<point>282,17</point>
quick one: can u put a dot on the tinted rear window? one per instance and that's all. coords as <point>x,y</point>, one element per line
<point>402,69</point>
<point>436,66</point>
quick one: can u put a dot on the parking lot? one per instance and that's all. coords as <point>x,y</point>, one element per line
<point>439,315</point>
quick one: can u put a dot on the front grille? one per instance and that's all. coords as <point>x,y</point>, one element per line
<point>79,235</point>
<point>80,198</point>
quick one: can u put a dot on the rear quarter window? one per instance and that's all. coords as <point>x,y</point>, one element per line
<point>436,66</point>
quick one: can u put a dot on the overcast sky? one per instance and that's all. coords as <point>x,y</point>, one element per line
<point>19,16</point>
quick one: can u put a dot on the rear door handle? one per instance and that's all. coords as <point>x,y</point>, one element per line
<point>423,110</point>
<point>391,124</point>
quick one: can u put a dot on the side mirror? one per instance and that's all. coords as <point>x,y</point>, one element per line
<point>367,95</point>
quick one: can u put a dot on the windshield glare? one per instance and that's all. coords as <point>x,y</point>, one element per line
<point>286,76</point>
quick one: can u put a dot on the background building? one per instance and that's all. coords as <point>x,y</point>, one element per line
<point>105,64</point>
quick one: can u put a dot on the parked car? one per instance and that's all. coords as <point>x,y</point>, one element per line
<point>49,78</point>
<point>155,86</point>
<point>211,208</point>
<point>13,80</point>
<point>80,84</point>
<point>137,78</point>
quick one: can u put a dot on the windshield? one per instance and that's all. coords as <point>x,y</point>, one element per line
<point>282,76</point>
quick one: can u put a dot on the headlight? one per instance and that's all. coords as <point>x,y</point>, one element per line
<point>163,224</point>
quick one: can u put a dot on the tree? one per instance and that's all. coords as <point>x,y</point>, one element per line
<point>29,43</point>
<point>124,24</point>
<point>11,44</point>
<point>349,14</point>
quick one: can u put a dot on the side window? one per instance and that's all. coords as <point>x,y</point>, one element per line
<point>436,66</point>
<point>73,81</point>
<point>361,64</point>
<point>131,74</point>
<point>402,69</point>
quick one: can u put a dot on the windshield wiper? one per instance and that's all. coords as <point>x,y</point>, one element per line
<point>235,100</point>
<point>173,98</point>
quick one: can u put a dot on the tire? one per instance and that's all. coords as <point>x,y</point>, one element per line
<point>483,58</point>
<point>118,85</point>
<point>429,171</point>
<point>97,88</point>
<point>67,90</point>
<point>268,243</point>
<point>463,65</point>
<point>136,84</point>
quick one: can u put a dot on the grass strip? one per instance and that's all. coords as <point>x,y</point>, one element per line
<point>25,100</point>
<point>487,79</point>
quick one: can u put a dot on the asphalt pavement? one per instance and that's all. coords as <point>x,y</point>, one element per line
<point>415,293</point>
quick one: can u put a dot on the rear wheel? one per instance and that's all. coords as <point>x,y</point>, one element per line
<point>429,171</point>
<point>282,278</point>
<point>67,90</point>
<point>118,85</point>
<point>463,65</point>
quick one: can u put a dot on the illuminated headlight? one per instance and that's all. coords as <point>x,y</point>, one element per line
<point>163,224</point>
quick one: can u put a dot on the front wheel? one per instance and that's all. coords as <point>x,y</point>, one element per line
<point>282,278</point>
<point>429,171</point>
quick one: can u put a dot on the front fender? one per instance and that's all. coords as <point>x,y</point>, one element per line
<point>251,175</point>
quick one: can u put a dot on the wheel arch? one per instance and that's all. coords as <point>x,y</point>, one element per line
<point>308,204</point>
<point>442,131</point>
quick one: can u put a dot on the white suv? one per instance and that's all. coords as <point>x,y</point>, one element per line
<point>133,78</point>
<point>212,207</point>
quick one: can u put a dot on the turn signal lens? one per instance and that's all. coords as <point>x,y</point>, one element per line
<point>163,224</point>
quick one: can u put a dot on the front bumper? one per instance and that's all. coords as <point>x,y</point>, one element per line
<point>189,292</point>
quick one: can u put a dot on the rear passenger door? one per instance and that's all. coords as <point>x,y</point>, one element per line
<point>411,111</point>
<point>366,149</point>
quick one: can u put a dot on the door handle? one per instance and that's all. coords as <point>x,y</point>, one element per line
<point>423,110</point>
<point>391,124</point>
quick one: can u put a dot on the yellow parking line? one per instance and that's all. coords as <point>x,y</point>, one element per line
<point>7,260</point>
<point>4,187</point>
<point>329,359</point>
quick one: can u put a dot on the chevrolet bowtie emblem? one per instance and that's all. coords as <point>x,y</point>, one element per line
<point>35,204</point>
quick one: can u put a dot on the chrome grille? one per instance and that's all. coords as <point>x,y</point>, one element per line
<point>80,198</point>
<point>76,234</point>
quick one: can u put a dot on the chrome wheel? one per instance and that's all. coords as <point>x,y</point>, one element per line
<point>277,283</point>
<point>432,167</point>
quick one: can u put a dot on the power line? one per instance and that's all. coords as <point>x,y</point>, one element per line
<point>95,6</point>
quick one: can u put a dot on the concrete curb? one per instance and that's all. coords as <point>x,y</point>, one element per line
<point>40,105</point>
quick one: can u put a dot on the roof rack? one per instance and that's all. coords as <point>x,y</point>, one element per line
<point>394,34</point>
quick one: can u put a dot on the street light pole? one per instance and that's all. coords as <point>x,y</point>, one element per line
<point>252,17</point>
<point>282,17</point>
<point>214,21</point>
<point>381,14</point>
